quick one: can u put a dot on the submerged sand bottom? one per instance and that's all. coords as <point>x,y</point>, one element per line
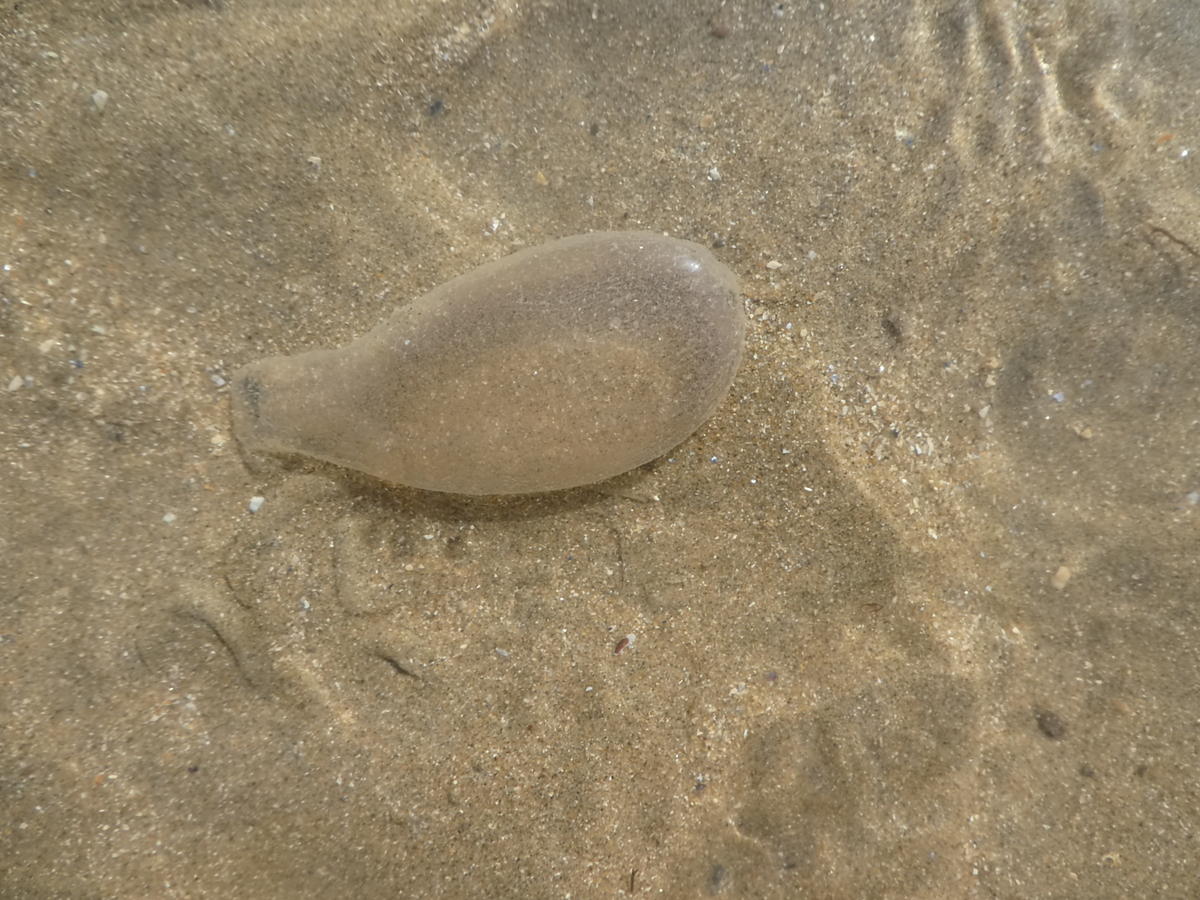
<point>915,613</point>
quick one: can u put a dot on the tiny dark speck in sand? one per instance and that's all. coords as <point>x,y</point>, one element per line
<point>1050,724</point>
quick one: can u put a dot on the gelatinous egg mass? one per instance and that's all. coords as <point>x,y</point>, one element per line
<point>560,365</point>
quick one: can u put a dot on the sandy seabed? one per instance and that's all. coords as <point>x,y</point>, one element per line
<point>915,615</point>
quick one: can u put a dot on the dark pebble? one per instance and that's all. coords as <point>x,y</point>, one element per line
<point>1050,724</point>
<point>718,879</point>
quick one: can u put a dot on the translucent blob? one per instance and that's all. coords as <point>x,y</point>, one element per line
<point>557,366</point>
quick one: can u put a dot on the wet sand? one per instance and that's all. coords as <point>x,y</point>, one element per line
<point>915,615</point>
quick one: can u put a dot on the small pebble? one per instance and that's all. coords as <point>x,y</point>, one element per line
<point>1060,578</point>
<point>256,503</point>
<point>17,383</point>
<point>1050,724</point>
<point>100,100</point>
<point>719,29</point>
<point>169,518</point>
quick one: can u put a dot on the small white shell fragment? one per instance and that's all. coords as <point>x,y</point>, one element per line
<point>1061,576</point>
